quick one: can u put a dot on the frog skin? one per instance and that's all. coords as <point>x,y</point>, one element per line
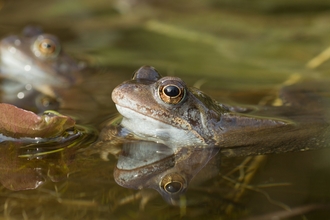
<point>165,110</point>
<point>37,58</point>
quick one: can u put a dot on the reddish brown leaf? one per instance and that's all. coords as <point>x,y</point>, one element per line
<point>16,122</point>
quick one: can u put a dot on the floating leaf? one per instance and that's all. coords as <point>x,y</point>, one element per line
<point>17,123</point>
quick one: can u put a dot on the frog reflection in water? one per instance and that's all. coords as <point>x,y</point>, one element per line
<point>165,110</point>
<point>24,96</point>
<point>144,164</point>
<point>37,62</point>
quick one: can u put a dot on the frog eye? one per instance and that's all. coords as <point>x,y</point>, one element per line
<point>172,93</point>
<point>44,103</point>
<point>46,47</point>
<point>173,187</point>
<point>173,183</point>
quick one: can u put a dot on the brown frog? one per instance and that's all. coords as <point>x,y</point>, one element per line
<point>170,131</point>
<point>165,110</point>
<point>37,59</point>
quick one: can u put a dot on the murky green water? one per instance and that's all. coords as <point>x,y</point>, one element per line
<point>225,48</point>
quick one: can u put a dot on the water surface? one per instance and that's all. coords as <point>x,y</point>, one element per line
<point>224,49</point>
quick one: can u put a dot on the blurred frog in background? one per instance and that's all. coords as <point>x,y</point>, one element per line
<point>33,67</point>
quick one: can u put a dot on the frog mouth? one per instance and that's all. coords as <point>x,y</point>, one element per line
<point>151,129</point>
<point>13,62</point>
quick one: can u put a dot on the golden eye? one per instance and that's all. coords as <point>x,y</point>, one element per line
<point>173,183</point>
<point>171,93</point>
<point>46,46</point>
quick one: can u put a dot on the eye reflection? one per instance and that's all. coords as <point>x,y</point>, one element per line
<point>44,102</point>
<point>173,187</point>
<point>172,183</point>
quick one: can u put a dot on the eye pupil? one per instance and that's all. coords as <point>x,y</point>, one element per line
<point>172,91</point>
<point>47,47</point>
<point>173,187</point>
